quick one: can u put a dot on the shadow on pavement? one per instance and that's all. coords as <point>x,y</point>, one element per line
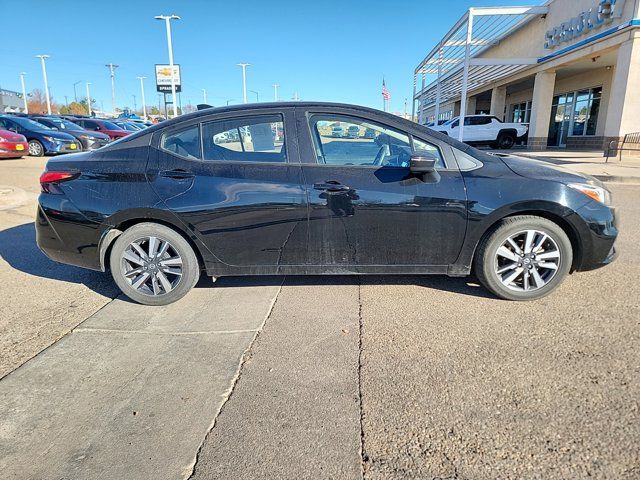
<point>18,248</point>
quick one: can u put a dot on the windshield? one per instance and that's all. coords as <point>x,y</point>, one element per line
<point>61,124</point>
<point>111,126</point>
<point>449,122</point>
<point>29,124</point>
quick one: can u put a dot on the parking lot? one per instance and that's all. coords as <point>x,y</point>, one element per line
<point>313,377</point>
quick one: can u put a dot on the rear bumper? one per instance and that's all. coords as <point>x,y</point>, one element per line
<point>65,235</point>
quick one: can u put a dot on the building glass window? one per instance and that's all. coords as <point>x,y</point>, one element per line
<point>585,111</point>
<point>521,112</point>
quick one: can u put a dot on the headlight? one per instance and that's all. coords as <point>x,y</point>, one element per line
<point>87,137</point>
<point>598,194</point>
<point>50,139</point>
<point>2,139</point>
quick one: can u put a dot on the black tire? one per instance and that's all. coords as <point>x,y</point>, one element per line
<point>178,247</point>
<point>36,149</point>
<point>506,141</point>
<point>486,261</point>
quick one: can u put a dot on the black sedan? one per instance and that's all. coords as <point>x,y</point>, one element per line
<point>89,140</point>
<point>219,191</point>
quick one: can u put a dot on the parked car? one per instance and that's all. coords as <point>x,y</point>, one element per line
<point>88,140</point>
<point>41,139</point>
<point>353,131</point>
<point>485,130</point>
<point>167,203</point>
<point>337,132</point>
<point>129,126</point>
<point>103,126</point>
<point>369,133</point>
<point>13,145</point>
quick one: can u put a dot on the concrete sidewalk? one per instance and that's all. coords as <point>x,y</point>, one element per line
<point>590,162</point>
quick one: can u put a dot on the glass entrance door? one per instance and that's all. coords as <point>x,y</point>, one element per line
<point>561,115</point>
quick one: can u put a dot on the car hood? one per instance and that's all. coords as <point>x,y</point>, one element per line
<point>57,135</point>
<point>101,136</point>
<point>540,170</point>
<point>12,136</point>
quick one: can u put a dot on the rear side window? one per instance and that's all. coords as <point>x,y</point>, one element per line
<point>247,139</point>
<point>183,143</point>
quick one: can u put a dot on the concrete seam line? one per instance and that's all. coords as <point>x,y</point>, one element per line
<point>363,456</point>
<point>142,332</point>
<point>191,469</point>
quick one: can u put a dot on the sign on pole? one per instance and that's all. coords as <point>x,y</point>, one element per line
<point>163,78</point>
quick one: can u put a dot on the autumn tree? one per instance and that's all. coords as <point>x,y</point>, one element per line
<point>37,103</point>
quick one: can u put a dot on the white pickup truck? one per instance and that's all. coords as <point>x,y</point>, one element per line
<point>485,129</point>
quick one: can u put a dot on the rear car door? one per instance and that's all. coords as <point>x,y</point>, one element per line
<point>367,212</point>
<point>235,182</point>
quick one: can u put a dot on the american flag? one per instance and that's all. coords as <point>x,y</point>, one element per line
<point>385,93</point>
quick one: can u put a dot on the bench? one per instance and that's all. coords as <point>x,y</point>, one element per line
<point>631,142</point>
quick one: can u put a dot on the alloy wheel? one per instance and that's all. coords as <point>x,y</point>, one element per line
<point>527,260</point>
<point>152,266</point>
<point>35,149</point>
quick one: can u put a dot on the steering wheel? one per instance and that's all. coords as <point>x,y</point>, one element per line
<point>383,152</point>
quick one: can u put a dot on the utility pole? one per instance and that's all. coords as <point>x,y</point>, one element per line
<point>275,91</point>
<point>112,69</point>
<point>89,99</point>
<point>244,80</point>
<point>295,97</point>
<point>75,95</point>
<point>204,94</point>
<point>167,19</point>
<point>144,102</point>
<point>24,92</point>
<point>46,83</point>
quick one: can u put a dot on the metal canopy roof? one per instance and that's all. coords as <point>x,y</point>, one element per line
<point>453,67</point>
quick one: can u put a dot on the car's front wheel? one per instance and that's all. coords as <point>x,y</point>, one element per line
<point>35,148</point>
<point>153,264</point>
<point>524,258</point>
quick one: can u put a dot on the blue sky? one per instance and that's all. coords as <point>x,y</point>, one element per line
<point>325,50</point>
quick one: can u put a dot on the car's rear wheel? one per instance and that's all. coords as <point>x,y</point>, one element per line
<point>523,258</point>
<point>153,264</point>
<point>35,148</point>
<point>506,141</point>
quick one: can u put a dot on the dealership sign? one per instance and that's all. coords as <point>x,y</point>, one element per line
<point>163,78</point>
<point>600,14</point>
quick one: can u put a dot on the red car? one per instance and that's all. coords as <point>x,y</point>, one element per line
<point>102,126</point>
<point>13,145</point>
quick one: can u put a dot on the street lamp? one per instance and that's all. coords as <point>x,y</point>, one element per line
<point>75,95</point>
<point>167,19</point>
<point>144,102</point>
<point>88,99</point>
<point>204,94</point>
<point>24,92</point>
<point>275,91</point>
<point>46,83</point>
<point>257,96</point>
<point>112,72</point>
<point>230,100</point>
<point>244,80</point>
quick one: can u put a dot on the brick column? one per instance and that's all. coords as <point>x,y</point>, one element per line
<point>541,110</point>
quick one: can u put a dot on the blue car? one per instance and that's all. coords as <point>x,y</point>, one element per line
<point>42,139</point>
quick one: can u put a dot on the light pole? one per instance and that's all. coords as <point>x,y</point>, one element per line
<point>257,95</point>
<point>88,99</point>
<point>46,83</point>
<point>144,102</point>
<point>230,100</point>
<point>204,94</point>
<point>275,91</point>
<point>112,69</point>
<point>24,92</point>
<point>244,80</point>
<point>135,104</point>
<point>167,19</point>
<point>75,95</point>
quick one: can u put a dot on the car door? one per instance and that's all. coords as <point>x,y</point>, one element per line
<point>366,210</point>
<point>235,181</point>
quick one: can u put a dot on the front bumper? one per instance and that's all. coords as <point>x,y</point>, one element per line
<point>598,236</point>
<point>10,149</point>
<point>63,147</point>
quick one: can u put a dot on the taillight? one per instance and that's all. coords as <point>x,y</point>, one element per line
<point>50,179</point>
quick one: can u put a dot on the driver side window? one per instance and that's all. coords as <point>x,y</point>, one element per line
<point>344,140</point>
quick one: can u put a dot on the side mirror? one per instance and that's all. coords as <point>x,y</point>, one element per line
<point>422,162</point>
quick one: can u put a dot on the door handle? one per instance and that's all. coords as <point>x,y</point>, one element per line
<point>331,186</point>
<point>177,174</point>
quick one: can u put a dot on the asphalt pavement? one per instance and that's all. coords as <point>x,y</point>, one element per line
<point>315,377</point>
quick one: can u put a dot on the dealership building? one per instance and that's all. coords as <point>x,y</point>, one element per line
<point>568,68</point>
